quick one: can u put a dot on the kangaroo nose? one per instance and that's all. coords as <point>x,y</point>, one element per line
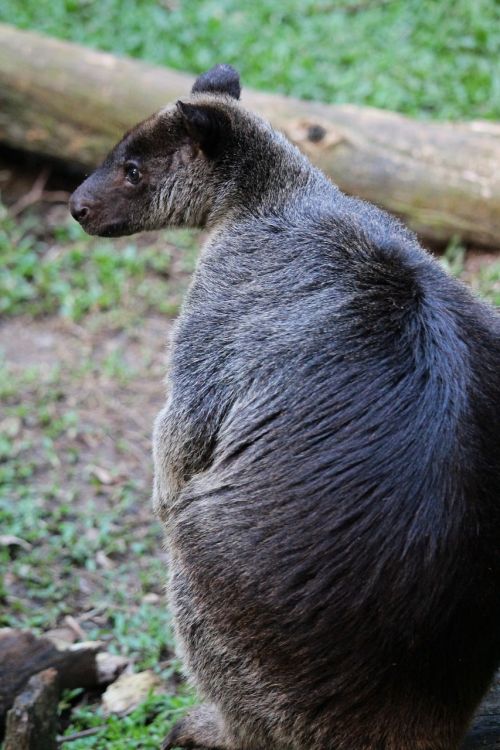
<point>78,211</point>
<point>79,208</point>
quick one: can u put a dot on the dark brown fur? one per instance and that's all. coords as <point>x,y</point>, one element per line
<point>327,463</point>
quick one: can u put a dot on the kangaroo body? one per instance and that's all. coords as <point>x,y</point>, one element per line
<point>327,463</point>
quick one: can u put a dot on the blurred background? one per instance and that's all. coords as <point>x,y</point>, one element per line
<point>85,321</point>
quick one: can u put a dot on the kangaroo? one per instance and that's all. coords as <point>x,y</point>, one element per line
<point>327,465</point>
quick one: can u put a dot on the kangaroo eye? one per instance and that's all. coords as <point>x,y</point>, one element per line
<point>132,174</point>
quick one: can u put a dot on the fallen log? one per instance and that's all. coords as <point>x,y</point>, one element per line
<point>23,654</point>
<point>32,720</point>
<point>70,102</point>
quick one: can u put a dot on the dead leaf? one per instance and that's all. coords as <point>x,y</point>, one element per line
<point>61,637</point>
<point>110,666</point>
<point>102,475</point>
<point>103,560</point>
<point>151,598</point>
<point>7,540</point>
<point>11,426</point>
<point>75,627</point>
<point>129,690</point>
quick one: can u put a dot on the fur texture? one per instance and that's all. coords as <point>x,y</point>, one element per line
<point>327,463</point>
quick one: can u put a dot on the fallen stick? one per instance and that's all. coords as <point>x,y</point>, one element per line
<point>61,739</point>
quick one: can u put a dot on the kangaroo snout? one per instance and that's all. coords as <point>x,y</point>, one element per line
<point>79,206</point>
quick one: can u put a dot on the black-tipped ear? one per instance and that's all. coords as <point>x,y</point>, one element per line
<point>221,79</point>
<point>208,126</point>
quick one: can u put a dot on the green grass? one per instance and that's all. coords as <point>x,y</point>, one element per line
<point>144,728</point>
<point>67,520</point>
<point>66,272</point>
<point>432,58</point>
<point>55,420</point>
<point>42,475</point>
<point>485,282</point>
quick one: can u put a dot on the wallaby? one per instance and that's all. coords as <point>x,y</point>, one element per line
<point>327,463</point>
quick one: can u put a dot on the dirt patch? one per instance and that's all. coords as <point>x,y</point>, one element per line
<point>111,378</point>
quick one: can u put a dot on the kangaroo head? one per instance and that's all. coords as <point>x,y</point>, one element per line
<point>171,169</point>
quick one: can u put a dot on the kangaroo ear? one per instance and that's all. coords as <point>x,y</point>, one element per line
<point>221,79</point>
<point>208,126</point>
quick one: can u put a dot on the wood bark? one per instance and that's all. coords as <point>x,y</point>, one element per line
<point>22,655</point>
<point>70,102</point>
<point>32,721</point>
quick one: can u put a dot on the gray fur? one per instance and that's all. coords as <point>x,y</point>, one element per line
<point>325,464</point>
